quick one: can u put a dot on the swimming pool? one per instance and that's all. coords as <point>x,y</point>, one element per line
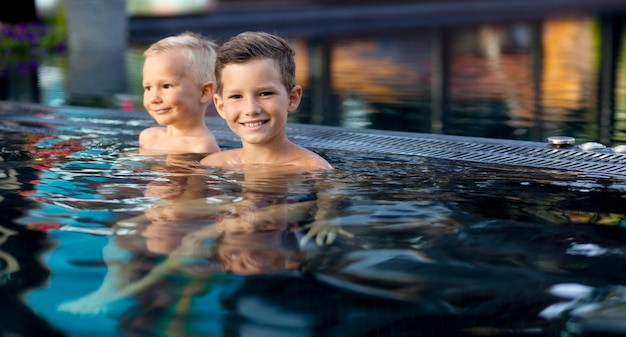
<point>452,236</point>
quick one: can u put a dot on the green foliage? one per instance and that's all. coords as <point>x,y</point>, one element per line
<point>22,44</point>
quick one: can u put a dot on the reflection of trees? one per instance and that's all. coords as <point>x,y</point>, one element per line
<point>567,79</point>
<point>391,77</point>
<point>492,70</point>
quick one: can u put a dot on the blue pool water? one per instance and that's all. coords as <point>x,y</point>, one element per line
<point>439,247</point>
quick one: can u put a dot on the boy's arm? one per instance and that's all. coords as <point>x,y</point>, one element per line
<point>326,222</point>
<point>194,243</point>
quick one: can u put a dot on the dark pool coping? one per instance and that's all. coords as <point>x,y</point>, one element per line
<point>28,117</point>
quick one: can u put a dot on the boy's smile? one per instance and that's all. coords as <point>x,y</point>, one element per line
<point>170,95</point>
<point>257,90</point>
<point>254,101</point>
<point>253,124</point>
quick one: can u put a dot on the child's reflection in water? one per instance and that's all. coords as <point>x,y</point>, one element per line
<point>142,241</point>
<point>255,237</point>
<point>192,236</point>
<point>252,236</point>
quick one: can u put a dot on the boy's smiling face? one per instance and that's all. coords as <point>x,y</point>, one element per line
<point>172,96</point>
<point>254,101</point>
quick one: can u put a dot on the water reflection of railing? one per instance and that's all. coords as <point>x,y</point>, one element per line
<point>10,263</point>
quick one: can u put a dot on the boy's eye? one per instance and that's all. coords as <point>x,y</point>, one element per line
<point>266,93</point>
<point>167,86</point>
<point>235,96</point>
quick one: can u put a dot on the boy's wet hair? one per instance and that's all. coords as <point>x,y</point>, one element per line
<point>257,45</point>
<point>199,52</point>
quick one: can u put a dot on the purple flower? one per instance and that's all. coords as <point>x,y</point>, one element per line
<point>22,44</point>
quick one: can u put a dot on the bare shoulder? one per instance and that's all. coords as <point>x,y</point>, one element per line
<point>151,135</point>
<point>222,158</point>
<point>204,144</point>
<point>314,160</point>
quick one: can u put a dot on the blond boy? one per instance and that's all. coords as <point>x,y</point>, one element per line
<point>178,83</point>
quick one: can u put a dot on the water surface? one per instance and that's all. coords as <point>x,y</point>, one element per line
<point>439,247</point>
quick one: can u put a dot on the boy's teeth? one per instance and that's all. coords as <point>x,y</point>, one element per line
<point>253,124</point>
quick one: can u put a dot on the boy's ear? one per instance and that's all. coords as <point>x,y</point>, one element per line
<point>295,95</point>
<point>219,104</point>
<point>208,89</point>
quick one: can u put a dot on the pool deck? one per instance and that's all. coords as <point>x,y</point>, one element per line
<point>320,17</point>
<point>600,163</point>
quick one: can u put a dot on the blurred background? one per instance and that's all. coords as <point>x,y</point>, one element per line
<point>510,69</point>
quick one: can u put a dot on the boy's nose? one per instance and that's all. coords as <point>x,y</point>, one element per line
<point>252,107</point>
<point>154,96</point>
